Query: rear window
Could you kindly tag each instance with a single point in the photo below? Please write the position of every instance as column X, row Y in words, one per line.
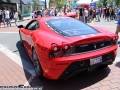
column 70, row 27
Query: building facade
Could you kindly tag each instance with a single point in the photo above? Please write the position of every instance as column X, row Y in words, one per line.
column 26, row 5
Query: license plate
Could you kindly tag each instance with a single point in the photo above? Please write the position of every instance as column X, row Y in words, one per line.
column 95, row 60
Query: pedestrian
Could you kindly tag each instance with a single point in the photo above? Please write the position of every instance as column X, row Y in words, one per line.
column 15, row 17
column 90, row 15
column 7, row 17
column 107, row 14
column 39, row 13
column 56, row 11
column 77, row 14
column 112, row 14
column 98, row 15
column 81, row 13
column 2, row 18
column 86, row 15
column 118, row 24
column 35, row 15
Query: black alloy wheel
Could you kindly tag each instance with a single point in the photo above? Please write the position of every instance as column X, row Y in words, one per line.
column 37, row 66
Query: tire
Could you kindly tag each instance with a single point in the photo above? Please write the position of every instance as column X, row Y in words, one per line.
column 37, row 66
column 21, row 39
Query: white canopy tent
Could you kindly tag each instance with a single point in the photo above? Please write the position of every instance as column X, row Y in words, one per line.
column 87, row 2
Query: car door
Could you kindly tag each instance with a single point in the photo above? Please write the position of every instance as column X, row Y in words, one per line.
column 23, row 34
column 30, row 30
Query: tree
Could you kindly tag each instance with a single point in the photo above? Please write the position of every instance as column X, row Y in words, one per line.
column 110, row 2
column 117, row 2
column 61, row 3
column 99, row 3
column 29, row 3
column 36, row 3
column 105, row 3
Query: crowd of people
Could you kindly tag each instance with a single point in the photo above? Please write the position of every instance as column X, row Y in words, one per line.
column 83, row 14
column 50, row 12
column 6, row 16
column 96, row 14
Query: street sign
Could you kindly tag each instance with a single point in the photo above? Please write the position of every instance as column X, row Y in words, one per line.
column 93, row 4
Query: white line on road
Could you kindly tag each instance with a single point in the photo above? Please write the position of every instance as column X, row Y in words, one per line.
column 17, row 60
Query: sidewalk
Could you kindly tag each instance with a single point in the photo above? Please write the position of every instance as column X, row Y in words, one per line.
column 12, row 74
column 24, row 18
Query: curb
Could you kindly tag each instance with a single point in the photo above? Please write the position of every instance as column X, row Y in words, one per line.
column 18, row 21
column 23, row 20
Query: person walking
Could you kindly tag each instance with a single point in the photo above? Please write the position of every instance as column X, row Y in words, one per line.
column 81, row 14
column 77, row 14
column 2, row 18
column 86, row 15
column 108, row 14
column 7, row 17
column 112, row 14
column 91, row 15
column 118, row 24
column 39, row 13
column 15, row 17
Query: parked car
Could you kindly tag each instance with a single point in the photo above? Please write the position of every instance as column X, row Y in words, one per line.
column 61, row 47
column 71, row 14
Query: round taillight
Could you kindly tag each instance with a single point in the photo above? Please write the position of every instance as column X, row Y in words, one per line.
column 65, row 46
column 116, row 37
column 55, row 47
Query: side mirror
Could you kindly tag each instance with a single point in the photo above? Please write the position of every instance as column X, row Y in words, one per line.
column 20, row 26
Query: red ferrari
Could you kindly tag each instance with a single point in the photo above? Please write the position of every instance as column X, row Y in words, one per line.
column 71, row 14
column 61, row 47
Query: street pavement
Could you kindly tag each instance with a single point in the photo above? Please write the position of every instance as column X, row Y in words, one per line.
column 16, row 67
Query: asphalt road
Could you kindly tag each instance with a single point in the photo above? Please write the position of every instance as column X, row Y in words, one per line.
column 11, row 41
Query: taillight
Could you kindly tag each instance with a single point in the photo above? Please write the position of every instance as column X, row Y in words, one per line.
column 115, row 38
column 55, row 48
column 65, row 46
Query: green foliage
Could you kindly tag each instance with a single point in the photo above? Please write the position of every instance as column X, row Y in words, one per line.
column 61, row 3
column 75, row 1
column 29, row 3
column 110, row 1
column 36, row 3
column 99, row 3
column 104, row 2
column 117, row 2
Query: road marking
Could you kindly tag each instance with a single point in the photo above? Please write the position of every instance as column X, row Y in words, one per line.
column 9, row 32
column 17, row 60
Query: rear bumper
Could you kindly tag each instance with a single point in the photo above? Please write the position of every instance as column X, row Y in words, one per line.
column 65, row 67
column 75, row 68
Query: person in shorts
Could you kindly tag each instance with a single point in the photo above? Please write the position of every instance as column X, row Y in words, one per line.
column 118, row 24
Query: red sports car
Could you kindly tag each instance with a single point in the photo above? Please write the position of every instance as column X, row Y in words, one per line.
column 71, row 14
column 61, row 47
